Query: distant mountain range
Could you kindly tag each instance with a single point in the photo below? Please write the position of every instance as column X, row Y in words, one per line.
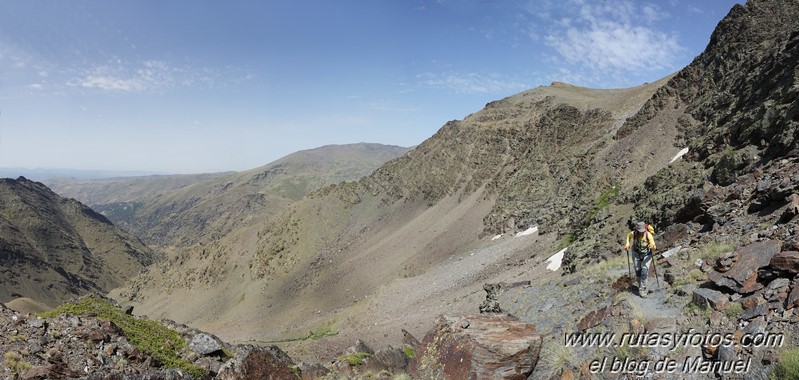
column 180, row 210
column 39, row 174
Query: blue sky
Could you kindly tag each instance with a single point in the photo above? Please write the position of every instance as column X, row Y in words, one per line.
column 187, row 86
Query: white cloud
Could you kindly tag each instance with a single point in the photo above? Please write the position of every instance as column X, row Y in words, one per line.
column 472, row 83
column 120, row 76
column 615, row 46
column 615, row 39
column 154, row 76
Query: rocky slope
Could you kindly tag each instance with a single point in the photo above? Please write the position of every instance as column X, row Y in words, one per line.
column 207, row 210
column 54, row 248
column 533, row 158
column 422, row 234
column 416, row 238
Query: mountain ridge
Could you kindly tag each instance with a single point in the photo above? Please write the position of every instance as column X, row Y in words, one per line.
column 56, row 248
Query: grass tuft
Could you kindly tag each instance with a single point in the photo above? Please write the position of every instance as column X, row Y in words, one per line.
column 788, row 366
column 734, row 310
column 355, row 359
column 712, row 250
column 149, row 336
column 13, row 361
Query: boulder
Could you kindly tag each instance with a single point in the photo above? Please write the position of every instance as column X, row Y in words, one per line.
column 268, row 363
column 792, row 209
column 786, row 261
column 393, row 360
column 711, row 298
column 742, row 275
column 205, row 344
column 495, row 346
column 360, row 347
column 793, row 297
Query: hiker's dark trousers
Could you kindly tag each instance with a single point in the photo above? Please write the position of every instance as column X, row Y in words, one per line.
column 641, row 261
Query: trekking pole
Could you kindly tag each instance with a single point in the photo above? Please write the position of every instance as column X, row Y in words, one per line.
column 629, row 271
column 655, row 265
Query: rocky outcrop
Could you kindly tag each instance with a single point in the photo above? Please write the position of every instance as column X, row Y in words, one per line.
column 269, row 363
column 70, row 346
column 487, row 346
column 743, row 275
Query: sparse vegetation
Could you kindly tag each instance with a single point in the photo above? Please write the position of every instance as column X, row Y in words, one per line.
column 788, row 365
column 556, row 357
column 149, row 336
column 624, row 351
column 13, row 361
column 409, row 352
column 602, row 203
column 322, row 332
column 712, row 250
column 565, row 241
column 355, row 359
column 734, row 310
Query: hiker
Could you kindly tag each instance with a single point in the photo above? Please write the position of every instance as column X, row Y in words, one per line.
column 643, row 244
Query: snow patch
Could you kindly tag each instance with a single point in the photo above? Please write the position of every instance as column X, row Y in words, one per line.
column 528, row 231
column 554, row 261
column 679, row 154
column 496, row 237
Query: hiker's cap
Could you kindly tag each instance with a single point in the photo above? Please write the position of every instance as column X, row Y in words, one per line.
column 640, row 227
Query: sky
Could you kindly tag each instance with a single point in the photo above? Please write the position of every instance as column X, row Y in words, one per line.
column 193, row 86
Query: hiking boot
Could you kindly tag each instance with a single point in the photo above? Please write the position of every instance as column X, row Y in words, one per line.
column 642, row 292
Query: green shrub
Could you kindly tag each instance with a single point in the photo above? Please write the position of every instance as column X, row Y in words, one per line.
column 788, row 365
column 151, row 337
column 712, row 250
column 355, row 359
column 13, row 361
column 409, row 352
column 734, row 310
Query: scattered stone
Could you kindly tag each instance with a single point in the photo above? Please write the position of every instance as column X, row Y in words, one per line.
column 793, row 297
column 593, row 318
column 359, row 347
column 313, row 371
column 752, row 301
column 757, row 311
column 725, row 261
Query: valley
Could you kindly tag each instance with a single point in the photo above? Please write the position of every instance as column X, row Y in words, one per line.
column 389, row 252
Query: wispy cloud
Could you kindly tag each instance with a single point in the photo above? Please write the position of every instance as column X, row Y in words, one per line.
column 471, row 83
column 146, row 76
column 613, row 39
column 26, row 74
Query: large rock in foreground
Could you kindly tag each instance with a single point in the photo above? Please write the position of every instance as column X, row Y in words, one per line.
column 742, row 277
column 486, row 346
